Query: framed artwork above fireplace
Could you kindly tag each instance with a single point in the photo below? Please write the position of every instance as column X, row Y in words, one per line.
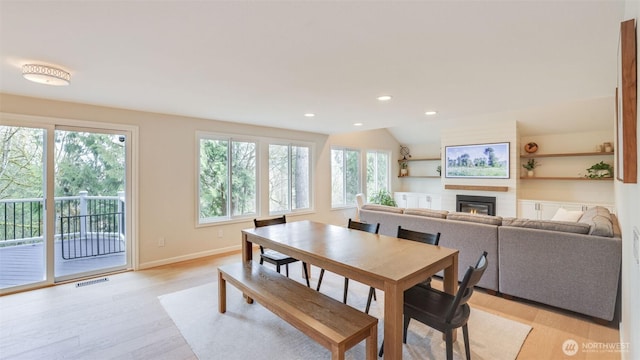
column 488, row 161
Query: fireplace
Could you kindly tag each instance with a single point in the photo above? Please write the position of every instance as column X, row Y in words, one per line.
column 484, row 205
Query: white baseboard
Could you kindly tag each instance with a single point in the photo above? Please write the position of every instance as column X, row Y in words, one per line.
column 197, row 255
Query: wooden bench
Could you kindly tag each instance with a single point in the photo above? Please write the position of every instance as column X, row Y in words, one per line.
column 332, row 324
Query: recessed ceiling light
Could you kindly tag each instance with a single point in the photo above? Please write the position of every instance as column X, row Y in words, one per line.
column 309, row 114
column 357, row 124
column 47, row 75
column 384, row 98
column 431, row 112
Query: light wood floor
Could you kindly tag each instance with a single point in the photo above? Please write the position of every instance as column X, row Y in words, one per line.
column 123, row 319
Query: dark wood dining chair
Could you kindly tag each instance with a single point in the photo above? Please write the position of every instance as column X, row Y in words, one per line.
column 276, row 258
column 427, row 238
column 356, row 225
column 423, row 237
column 441, row 311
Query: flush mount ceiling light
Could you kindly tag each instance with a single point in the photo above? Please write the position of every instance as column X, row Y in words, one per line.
column 47, row 75
column 384, row 98
column 357, row 124
column 309, row 114
column 431, row 112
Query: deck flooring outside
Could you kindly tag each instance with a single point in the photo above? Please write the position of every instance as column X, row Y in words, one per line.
column 24, row 264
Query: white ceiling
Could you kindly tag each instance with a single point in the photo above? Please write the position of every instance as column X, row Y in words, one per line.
column 268, row 63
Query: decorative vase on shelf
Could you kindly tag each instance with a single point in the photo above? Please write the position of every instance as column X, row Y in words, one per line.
column 404, row 172
column 530, row 173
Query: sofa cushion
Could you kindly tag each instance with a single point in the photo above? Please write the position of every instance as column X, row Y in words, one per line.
column 385, row 208
column 599, row 220
column 565, row 215
column 440, row 214
column 562, row 226
column 482, row 219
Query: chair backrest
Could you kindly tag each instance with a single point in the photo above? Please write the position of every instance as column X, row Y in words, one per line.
column 431, row 239
column 471, row 278
column 372, row 228
column 267, row 222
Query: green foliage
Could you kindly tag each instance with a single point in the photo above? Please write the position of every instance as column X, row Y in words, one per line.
column 21, row 163
column 220, row 194
column 84, row 161
column 90, row 162
column 474, row 171
column 487, row 165
column 531, row 164
column 600, row 170
column 345, row 176
column 378, row 163
column 383, row 197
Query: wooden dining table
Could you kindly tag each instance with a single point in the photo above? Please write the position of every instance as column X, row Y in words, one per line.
column 384, row 262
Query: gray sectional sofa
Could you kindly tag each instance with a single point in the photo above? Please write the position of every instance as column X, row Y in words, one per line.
column 570, row 265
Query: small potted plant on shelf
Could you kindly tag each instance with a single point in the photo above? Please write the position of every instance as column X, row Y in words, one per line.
column 439, row 170
column 530, row 165
column 404, row 168
column 600, row 170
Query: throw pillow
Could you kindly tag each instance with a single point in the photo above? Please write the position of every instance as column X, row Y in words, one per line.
column 599, row 219
column 565, row 215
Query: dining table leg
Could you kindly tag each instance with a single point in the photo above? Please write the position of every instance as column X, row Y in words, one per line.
column 393, row 308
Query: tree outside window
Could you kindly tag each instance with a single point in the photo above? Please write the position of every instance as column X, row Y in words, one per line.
column 227, row 179
column 378, row 170
column 289, row 178
column 345, row 176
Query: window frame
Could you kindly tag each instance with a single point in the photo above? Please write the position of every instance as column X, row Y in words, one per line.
column 344, row 203
column 365, row 174
column 202, row 135
column 289, row 145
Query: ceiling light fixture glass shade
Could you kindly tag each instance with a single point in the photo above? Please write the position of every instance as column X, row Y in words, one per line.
column 47, row 75
column 384, row 98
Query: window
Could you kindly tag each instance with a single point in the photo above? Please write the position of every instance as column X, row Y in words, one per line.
column 378, row 170
column 227, row 179
column 345, row 176
column 289, row 178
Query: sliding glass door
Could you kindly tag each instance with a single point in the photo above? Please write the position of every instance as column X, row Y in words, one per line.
column 22, row 206
column 90, row 202
column 64, row 205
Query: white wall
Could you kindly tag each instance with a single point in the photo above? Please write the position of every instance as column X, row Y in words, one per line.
column 423, row 185
column 167, row 173
column 628, row 208
column 364, row 140
column 592, row 191
column 487, row 132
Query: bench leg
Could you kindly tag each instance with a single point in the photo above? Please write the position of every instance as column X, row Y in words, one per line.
column 371, row 343
column 222, row 293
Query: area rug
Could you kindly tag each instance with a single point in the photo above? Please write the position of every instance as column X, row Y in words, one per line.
column 249, row 331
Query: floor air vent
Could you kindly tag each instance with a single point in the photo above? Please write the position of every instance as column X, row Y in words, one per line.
column 91, row 282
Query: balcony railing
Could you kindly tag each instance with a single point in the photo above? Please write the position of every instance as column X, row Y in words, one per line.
column 86, row 225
